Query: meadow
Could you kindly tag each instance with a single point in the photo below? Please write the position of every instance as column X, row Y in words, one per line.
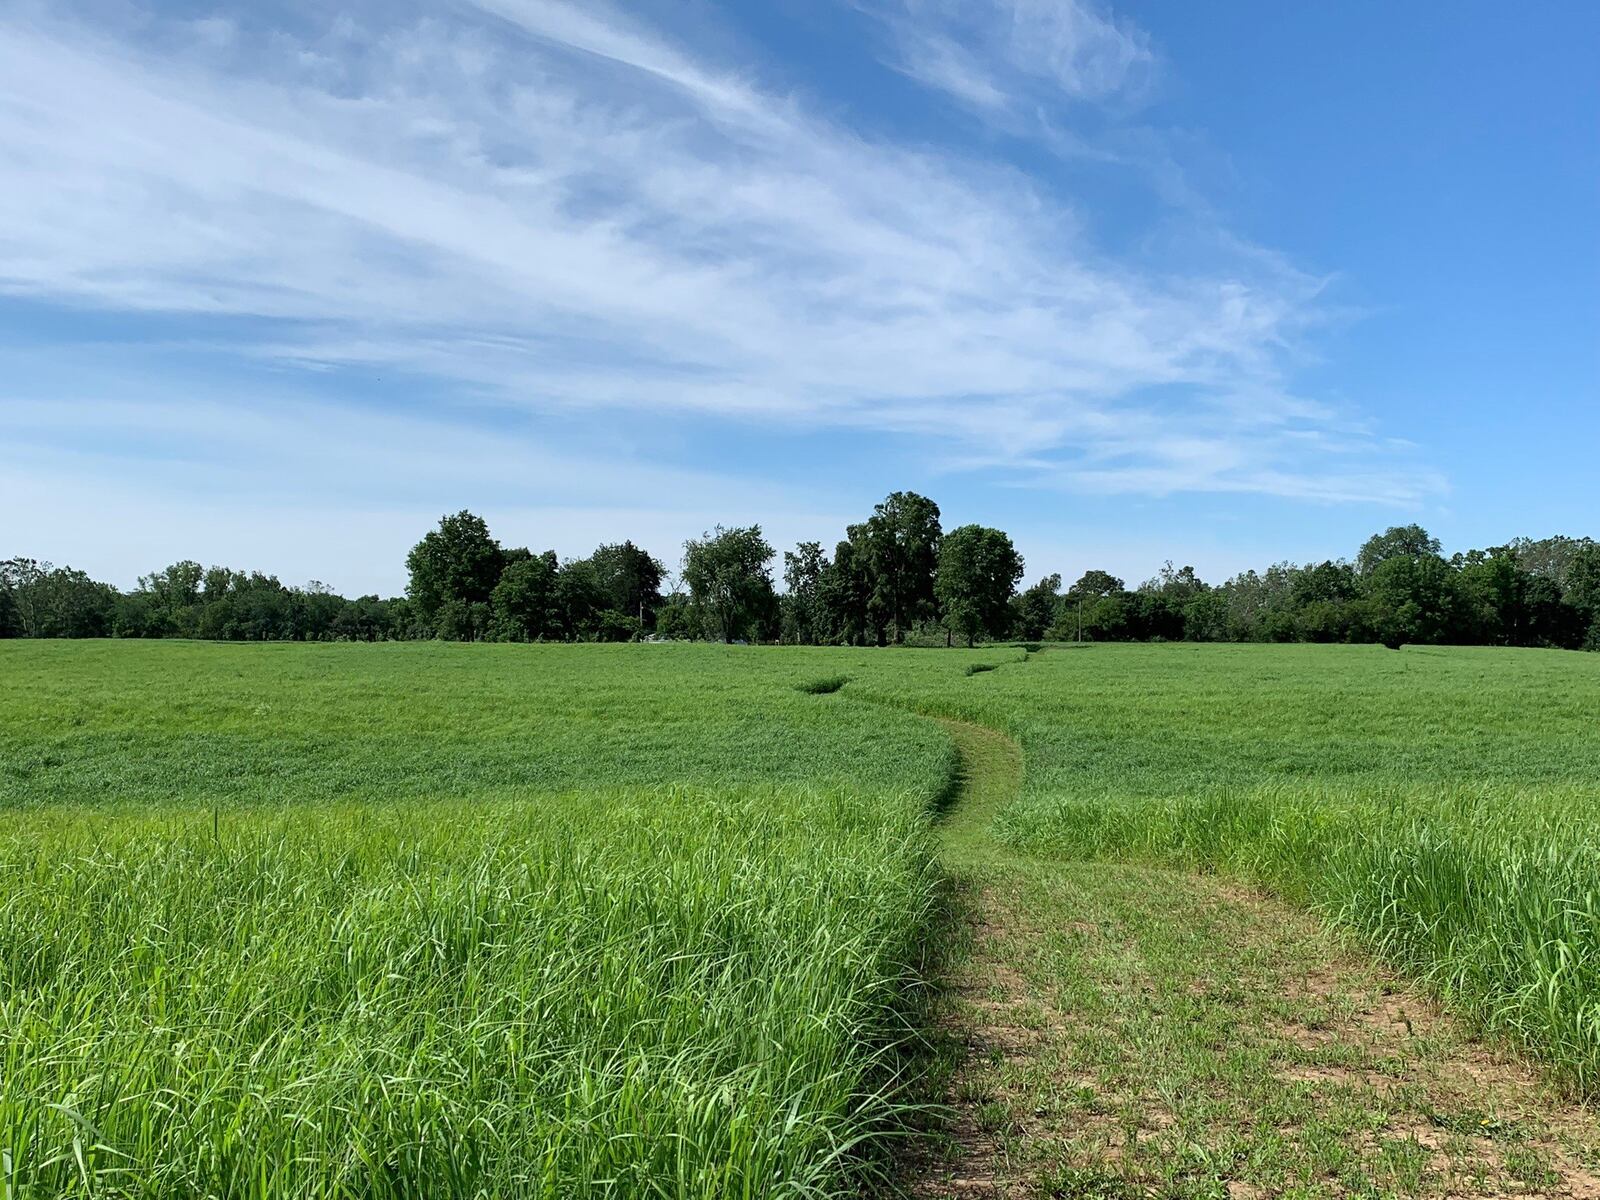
column 429, row 919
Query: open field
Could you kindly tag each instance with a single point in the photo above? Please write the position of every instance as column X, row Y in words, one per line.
column 530, row 922
column 526, row 920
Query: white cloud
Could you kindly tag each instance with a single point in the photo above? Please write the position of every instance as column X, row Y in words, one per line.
column 1003, row 55
column 553, row 207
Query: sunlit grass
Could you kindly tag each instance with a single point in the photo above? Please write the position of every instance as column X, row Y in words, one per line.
column 290, row 924
column 682, row 992
column 526, row 920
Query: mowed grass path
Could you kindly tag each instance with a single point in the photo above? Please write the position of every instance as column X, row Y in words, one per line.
column 1115, row 1032
column 1440, row 804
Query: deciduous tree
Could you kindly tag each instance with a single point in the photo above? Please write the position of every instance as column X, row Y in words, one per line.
column 523, row 605
column 459, row 561
column 978, row 571
column 729, row 580
column 1398, row 541
column 1036, row 608
column 630, row 579
column 804, row 570
column 899, row 545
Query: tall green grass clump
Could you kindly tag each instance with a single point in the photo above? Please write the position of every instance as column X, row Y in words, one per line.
column 685, row 992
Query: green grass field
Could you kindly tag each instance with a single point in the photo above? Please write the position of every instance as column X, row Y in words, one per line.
column 426, row 919
column 432, row 920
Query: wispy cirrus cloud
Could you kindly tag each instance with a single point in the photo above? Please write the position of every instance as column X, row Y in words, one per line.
column 556, row 207
column 1006, row 55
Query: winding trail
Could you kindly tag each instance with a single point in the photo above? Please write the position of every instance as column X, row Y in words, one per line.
column 990, row 776
column 1117, row 1031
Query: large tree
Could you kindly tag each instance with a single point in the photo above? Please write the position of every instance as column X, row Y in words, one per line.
column 1398, row 541
column 177, row 587
column 630, row 580
column 1095, row 607
column 1497, row 593
column 523, row 605
column 1161, row 606
column 1581, row 591
column 900, row 549
column 1581, row 581
column 1093, row 585
column 80, row 607
column 364, row 619
column 48, row 601
column 580, row 600
column 1416, row 599
column 804, row 570
column 843, row 594
column 23, row 580
column 10, row 619
column 1552, row 557
column 978, row 571
column 729, row 580
column 1326, row 582
column 458, row 562
column 1035, row 610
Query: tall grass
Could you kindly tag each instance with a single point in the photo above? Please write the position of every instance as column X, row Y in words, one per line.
column 405, row 921
column 677, row 993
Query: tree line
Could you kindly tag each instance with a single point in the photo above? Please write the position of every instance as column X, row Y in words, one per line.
column 897, row 577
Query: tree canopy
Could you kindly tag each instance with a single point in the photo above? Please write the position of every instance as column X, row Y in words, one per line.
column 1398, row 541
column 895, row 576
column 629, row 580
column 898, row 545
column 729, row 581
column 978, row 571
column 458, row 563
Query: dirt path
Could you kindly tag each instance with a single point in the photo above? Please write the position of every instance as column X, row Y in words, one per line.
column 1115, row 1031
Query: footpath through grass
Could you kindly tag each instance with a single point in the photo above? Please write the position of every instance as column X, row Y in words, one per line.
column 1442, row 805
column 1115, row 1032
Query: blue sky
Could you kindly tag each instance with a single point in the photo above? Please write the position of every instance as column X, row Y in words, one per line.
column 282, row 282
